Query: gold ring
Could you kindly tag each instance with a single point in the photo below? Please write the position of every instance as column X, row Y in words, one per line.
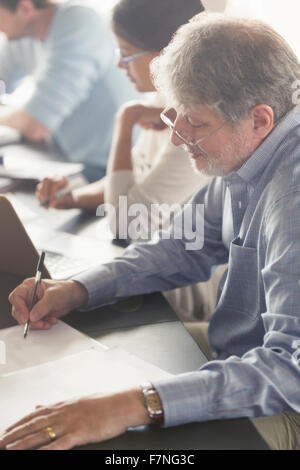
column 51, row 433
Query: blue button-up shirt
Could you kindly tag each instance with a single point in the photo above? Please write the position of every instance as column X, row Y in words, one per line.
column 256, row 323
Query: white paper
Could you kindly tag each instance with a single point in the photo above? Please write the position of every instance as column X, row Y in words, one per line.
column 41, row 346
column 36, row 169
column 8, row 135
column 81, row 374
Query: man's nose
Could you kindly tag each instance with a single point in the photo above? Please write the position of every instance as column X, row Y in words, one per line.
column 175, row 139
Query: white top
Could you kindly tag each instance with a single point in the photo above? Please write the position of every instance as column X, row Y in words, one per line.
column 163, row 174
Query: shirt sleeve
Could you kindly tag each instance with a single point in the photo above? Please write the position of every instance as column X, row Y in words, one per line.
column 10, row 70
column 118, row 184
column 170, row 182
column 78, row 52
column 265, row 381
column 172, row 178
column 181, row 255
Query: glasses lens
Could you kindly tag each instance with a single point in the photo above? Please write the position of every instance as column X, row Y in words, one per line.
column 120, row 58
column 168, row 116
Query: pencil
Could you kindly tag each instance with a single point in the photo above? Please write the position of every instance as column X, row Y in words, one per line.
column 38, row 278
column 60, row 193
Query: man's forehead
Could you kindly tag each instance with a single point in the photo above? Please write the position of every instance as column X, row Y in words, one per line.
column 197, row 110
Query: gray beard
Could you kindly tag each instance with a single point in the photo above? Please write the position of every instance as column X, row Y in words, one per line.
column 230, row 159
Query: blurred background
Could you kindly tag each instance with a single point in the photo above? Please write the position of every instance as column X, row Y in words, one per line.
column 283, row 15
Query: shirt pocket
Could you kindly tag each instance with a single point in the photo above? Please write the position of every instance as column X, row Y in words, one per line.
column 240, row 291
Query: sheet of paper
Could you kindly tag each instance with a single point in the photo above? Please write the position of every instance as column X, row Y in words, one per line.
column 41, row 346
column 85, row 373
column 8, row 135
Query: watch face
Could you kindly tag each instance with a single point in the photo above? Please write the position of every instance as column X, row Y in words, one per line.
column 153, row 404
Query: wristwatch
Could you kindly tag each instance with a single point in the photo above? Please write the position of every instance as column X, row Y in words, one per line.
column 153, row 403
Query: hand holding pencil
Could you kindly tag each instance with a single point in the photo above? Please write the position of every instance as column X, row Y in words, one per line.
column 38, row 278
column 49, row 301
column 56, row 192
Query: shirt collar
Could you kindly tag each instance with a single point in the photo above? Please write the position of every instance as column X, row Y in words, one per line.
column 258, row 161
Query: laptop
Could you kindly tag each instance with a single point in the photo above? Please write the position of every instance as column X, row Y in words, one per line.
column 20, row 249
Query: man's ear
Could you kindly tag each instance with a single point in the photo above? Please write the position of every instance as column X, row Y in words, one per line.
column 262, row 117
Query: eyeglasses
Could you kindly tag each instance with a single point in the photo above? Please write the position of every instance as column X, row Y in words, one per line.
column 169, row 116
column 125, row 60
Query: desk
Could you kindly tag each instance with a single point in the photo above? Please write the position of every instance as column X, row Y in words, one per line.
column 153, row 337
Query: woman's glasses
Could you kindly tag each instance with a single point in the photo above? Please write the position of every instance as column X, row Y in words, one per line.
column 125, row 60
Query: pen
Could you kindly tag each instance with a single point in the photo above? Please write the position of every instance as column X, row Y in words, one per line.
column 38, row 278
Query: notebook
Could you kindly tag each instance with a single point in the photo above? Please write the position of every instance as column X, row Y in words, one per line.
column 31, row 169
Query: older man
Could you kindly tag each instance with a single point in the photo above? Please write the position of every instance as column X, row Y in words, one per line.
column 68, row 52
column 230, row 82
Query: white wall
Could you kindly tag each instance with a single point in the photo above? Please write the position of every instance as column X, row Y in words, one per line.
column 217, row 6
column 283, row 15
column 251, row 8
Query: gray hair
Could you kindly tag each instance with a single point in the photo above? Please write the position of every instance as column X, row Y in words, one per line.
column 228, row 64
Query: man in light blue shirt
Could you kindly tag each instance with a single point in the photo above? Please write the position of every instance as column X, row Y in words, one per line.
column 230, row 81
column 68, row 51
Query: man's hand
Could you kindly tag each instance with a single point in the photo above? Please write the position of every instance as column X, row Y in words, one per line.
column 29, row 127
column 54, row 300
column 77, row 422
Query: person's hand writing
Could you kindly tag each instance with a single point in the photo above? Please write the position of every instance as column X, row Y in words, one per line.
column 54, row 300
column 77, row 422
column 47, row 189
